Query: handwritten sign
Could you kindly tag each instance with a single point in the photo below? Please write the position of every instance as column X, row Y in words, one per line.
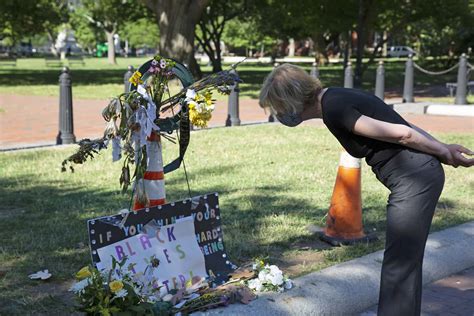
column 107, row 230
column 174, row 245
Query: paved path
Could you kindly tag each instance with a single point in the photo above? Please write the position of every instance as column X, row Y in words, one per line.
column 33, row 120
column 453, row 295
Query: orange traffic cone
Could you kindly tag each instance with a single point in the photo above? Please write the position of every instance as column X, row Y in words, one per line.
column 344, row 218
column 153, row 183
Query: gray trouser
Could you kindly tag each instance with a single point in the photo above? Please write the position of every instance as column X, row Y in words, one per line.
column 415, row 181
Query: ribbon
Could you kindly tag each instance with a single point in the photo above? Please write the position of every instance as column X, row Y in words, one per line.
column 116, row 149
column 146, row 116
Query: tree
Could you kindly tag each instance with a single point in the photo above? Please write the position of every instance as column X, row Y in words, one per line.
column 177, row 21
column 54, row 18
column 212, row 25
column 324, row 20
column 141, row 33
column 87, row 34
column 108, row 15
column 244, row 34
column 31, row 17
column 446, row 29
column 321, row 20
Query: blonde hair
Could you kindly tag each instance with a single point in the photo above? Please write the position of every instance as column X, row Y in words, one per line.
column 288, row 89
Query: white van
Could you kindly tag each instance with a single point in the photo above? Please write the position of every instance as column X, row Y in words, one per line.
column 400, row 51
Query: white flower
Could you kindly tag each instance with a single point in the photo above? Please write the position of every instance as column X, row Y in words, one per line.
column 163, row 63
column 274, row 269
column 190, row 94
column 255, row 284
column 142, row 90
column 254, row 266
column 79, row 287
column 121, row 293
column 276, row 279
column 262, row 275
column 288, row 284
column 153, row 299
column 137, row 289
column 167, row 297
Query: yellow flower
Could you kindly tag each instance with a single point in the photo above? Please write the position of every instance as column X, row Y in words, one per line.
column 83, row 273
column 200, row 109
column 116, row 286
column 208, row 95
column 135, row 79
column 189, row 283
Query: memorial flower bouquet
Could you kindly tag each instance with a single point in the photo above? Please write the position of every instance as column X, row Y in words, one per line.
column 111, row 291
column 269, row 278
column 121, row 291
column 201, row 106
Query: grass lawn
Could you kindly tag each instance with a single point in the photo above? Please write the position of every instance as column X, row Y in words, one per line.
column 272, row 182
column 99, row 80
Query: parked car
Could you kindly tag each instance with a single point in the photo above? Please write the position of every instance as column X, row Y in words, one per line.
column 400, row 51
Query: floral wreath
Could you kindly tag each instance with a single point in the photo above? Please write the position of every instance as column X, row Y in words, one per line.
column 134, row 116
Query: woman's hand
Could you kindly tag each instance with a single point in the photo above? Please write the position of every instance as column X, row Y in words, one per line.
column 453, row 155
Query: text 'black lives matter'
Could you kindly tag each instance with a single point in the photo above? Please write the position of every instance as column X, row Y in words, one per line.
column 104, row 231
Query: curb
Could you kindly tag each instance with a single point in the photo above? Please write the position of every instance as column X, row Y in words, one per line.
column 353, row 286
column 41, row 145
column 450, row 110
column 28, row 146
column 434, row 109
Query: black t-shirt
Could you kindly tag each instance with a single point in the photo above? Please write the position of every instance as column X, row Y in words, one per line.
column 342, row 107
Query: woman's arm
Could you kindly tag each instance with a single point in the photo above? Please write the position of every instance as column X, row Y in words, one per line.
column 413, row 137
column 423, row 132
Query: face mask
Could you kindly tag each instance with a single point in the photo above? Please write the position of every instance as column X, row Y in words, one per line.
column 290, row 120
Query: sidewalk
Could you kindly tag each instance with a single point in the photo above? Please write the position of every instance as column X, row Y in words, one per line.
column 453, row 295
column 352, row 287
column 33, row 120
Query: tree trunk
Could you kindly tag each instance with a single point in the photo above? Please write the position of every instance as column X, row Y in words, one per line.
column 291, row 47
column 177, row 20
column 52, row 47
column 210, row 43
column 319, row 47
column 217, row 64
column 110, row 47
column 194, row 67
column 363, row 17
column 347, row 48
